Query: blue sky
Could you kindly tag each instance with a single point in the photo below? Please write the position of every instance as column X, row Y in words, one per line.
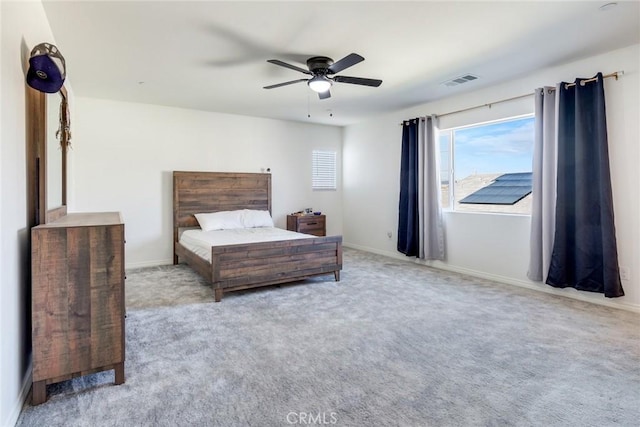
column 502, row 147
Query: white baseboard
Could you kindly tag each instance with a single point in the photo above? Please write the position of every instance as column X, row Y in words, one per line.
column 396, row 255
column 12, row 419
column 536, row 286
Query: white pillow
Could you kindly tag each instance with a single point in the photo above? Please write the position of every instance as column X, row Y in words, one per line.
column 224, row 220
column 253, row 218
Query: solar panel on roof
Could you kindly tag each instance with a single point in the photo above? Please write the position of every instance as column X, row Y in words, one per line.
column 507, row 189
column 515, row 176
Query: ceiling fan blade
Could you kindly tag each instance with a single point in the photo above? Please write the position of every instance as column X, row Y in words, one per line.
column 324, row 95
column 357, row 81
column 346, row 62
column 285, row 83
column 284, row 64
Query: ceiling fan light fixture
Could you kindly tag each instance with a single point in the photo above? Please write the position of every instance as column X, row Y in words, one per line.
column 319, row 84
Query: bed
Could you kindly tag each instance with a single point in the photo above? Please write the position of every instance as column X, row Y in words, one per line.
column 237, row 266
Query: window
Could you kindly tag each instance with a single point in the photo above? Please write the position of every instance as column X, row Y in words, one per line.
column 489, row 166
column 324, row 170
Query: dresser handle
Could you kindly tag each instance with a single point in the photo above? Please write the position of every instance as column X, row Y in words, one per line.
column 311, row 223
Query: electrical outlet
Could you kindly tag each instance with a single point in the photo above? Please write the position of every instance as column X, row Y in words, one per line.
column 625, row 273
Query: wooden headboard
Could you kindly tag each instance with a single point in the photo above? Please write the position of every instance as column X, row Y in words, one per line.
column 197, row 192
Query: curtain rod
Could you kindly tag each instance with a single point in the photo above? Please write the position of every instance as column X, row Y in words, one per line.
column 615, row 74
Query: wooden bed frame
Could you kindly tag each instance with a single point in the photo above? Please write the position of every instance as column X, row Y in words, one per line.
column 244, row 266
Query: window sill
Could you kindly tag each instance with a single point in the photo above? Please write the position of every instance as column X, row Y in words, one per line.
column 454, row 212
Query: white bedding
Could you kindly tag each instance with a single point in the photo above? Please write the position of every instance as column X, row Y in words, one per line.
column 200, row 242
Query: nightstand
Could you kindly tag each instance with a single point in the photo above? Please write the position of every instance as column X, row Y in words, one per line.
column 308, row 224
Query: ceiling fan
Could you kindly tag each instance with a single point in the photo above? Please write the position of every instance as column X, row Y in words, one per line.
column 322, row 70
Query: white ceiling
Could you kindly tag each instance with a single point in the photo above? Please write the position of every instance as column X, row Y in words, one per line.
column 211, row 55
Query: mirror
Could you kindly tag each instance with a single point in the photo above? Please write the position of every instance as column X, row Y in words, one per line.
column 54, row 152
column 58, row 137
column 47, row 155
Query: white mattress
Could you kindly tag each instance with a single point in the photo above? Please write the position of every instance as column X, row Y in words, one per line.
column 200, row 242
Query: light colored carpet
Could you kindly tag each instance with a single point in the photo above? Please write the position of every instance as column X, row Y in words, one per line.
column 392, row 344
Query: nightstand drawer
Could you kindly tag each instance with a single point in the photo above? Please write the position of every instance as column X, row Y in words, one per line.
column 308, row 224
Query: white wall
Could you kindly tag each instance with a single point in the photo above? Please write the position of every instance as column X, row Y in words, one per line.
column 124, row 153
column 22, row 26
column 490, row 245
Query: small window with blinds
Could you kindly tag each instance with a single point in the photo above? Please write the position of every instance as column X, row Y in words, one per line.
column 324, row 170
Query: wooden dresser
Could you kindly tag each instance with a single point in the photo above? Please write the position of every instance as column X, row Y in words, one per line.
column 308, row 224
column 77, row 298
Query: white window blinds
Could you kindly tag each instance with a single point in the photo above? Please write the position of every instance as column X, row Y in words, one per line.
column 324, row 170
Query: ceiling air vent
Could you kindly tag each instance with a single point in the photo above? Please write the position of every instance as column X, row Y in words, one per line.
column 460, row 80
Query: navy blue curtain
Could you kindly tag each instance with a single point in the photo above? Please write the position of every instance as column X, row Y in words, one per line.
column 408, row 217
column 584, row 250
